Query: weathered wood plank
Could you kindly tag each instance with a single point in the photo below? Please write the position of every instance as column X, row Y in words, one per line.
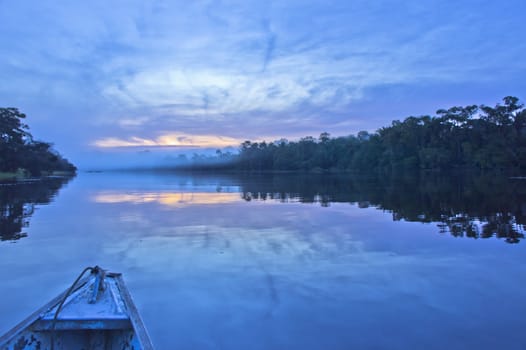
column 133, row 313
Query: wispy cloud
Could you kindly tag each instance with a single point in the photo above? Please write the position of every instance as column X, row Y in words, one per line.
column 169, row 140
column 250, row 70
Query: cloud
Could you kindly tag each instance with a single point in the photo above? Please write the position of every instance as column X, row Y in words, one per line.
column 242, row 68
column 169, row 140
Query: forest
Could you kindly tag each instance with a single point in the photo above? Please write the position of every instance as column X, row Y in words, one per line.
column 470, row 137
column 21, row 154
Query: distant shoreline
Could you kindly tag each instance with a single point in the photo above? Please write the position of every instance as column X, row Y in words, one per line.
column 24, row 177
column 511, row 173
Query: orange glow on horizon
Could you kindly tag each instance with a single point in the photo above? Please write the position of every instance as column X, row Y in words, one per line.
column 170, row 140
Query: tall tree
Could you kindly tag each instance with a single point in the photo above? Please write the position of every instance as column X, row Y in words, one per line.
column 18, row 150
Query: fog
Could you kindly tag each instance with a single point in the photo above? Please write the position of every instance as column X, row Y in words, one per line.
column 145, row 158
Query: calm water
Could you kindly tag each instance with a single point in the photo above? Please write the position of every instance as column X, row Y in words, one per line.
column 281, row 262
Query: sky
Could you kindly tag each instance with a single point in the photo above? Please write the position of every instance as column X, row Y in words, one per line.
column 111, row 81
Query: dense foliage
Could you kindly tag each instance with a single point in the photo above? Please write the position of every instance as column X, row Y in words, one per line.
column 19, row 151
column 479, row 137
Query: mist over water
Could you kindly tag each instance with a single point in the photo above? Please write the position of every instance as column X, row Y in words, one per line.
column 144, row 158
column 283, row 261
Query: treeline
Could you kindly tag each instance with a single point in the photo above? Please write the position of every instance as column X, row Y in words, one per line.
column 473, row 137
column 19, row 152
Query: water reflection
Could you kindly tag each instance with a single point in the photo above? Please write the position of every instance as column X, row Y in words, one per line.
column 18, row 201
column 171, row 199
column 473, row 206
column 480, row 206
column 224, row 253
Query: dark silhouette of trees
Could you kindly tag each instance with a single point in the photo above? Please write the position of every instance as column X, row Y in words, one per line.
column 470, row 137
column 18, row 149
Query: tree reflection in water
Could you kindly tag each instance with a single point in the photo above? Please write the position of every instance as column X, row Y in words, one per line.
column 18, row 201
column 463, row 205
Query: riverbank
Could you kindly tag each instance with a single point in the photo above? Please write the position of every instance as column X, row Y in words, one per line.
column 7, row 176
column 22, row 175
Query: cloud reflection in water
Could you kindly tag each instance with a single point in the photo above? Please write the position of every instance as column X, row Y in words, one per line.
column 172, row 199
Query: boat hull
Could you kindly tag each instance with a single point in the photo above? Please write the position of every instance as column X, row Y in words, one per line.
column 106, row 319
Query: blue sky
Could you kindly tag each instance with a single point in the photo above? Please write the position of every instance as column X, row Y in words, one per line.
column 97, row 77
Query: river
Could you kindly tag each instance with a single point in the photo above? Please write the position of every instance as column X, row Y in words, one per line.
column 280, row 261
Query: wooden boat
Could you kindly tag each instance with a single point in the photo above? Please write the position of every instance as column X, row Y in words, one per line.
column 96, row 312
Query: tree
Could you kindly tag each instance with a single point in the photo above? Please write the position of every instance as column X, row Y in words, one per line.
column 13, row 136
column 11, row 127
column 324, row 137
column 18, row 149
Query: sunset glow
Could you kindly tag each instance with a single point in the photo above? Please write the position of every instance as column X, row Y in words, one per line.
column 179, row 199
column 170, row 140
